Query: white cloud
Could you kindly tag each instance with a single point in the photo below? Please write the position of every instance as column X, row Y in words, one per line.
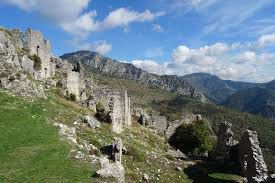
column 123, row 17
column 102, row 46
column 150, row 66
column 266, row 40
column 204, row 55
column 157, row 28
column 58, row 11
column 72, row 16
column 235, row 61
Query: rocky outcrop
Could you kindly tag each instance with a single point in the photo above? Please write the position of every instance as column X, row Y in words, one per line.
column 117, row 69
column 251, row 158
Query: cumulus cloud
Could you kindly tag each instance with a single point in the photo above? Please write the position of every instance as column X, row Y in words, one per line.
column 102, row 46
column 123, row 17
column 228, row 61
column 72, row 16
column 55, row 10
column 150, row 66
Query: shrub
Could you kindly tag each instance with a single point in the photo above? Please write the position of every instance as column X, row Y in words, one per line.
column 37, row 62
column 190, row 138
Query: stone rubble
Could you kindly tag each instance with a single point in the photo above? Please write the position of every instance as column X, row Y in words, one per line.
column 91, row 121
column 115, row 170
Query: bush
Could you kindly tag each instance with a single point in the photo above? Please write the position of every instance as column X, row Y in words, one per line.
column 37, row 62
column 193, row 138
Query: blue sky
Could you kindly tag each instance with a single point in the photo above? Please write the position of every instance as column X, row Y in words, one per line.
column 232, row 39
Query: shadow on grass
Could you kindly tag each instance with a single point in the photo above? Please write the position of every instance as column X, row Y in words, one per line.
column 200, row 173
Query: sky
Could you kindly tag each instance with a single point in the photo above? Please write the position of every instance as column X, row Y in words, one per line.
column 231, row 39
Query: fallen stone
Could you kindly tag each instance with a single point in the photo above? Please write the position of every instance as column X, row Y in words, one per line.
column 92, row 122
column 145, row 177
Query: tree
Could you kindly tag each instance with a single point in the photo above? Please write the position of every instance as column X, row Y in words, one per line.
column 192, row 137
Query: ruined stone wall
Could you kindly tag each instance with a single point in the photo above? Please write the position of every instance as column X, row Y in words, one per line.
column 251, row 158
column 158, row 123
column 73, row 80
column 185, row 119
column 36, row 44
column 116, row 114
column 127, row 111
column 122, row 110
column 224, row 140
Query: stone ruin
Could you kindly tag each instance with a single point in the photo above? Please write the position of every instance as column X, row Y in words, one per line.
column 117, row 103
column 117, row 147
column 250, row 157
column 187, row 118
column 116, row 169
column 224, row 140
column 25, row 46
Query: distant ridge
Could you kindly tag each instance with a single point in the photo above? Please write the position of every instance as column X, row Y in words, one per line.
column 117, row 69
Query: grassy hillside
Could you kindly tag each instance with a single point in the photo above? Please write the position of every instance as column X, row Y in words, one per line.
column 30, row 149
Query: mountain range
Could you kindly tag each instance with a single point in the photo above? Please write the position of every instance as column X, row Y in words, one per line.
column 256, row 98
column 117, row 69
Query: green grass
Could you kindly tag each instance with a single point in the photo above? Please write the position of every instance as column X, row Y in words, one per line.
column 30, row 149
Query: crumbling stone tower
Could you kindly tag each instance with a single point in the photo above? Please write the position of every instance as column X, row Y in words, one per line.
column 127, row 111
column 116, row 114
column 37, row 45
column 251, row 158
